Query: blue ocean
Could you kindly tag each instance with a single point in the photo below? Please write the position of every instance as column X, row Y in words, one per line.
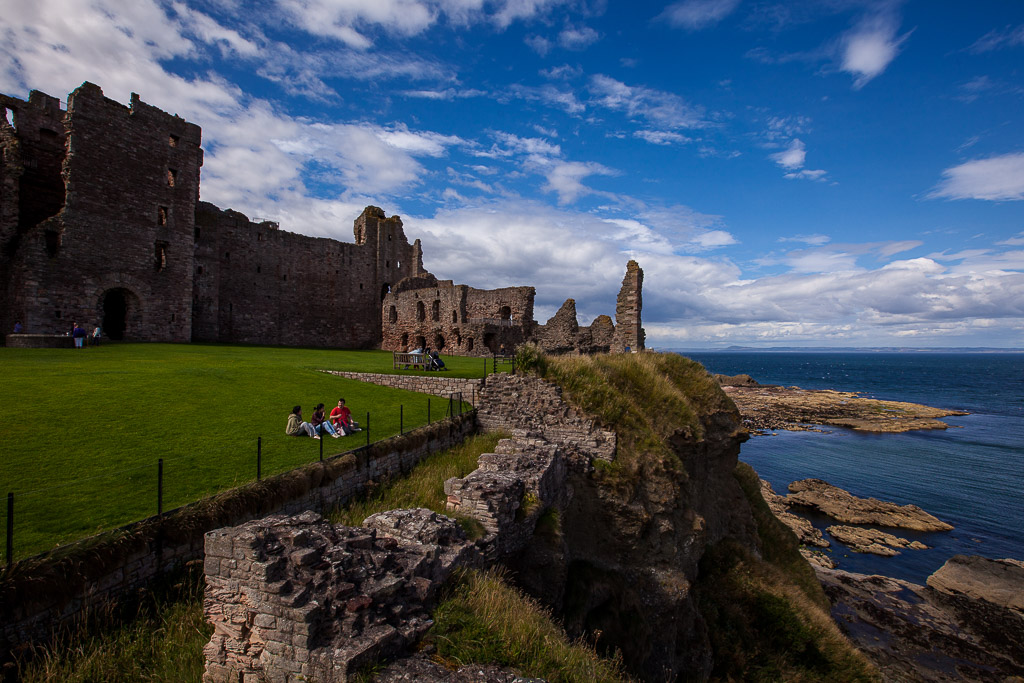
column 971, row 475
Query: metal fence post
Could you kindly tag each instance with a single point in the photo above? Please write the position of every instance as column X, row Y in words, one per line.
column 367, row 427
column 259, row 457
column 401, row 420
column 428, row 411
column 10, row 528
column 323, row 433
column 485, row 367
column 159, row 487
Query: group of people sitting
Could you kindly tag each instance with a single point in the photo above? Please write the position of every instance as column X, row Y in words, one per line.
column 431, row 359
column 340, row 423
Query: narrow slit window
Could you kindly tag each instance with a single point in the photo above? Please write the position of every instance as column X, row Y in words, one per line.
column 172, row 177
column 172, row 140
column 161, row 216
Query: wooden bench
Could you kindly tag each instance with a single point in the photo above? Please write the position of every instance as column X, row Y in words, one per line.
column 403, row 361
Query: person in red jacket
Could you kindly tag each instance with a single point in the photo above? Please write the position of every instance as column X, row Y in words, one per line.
column 341, row 416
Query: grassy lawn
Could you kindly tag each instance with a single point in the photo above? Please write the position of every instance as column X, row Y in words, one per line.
column 81, row 431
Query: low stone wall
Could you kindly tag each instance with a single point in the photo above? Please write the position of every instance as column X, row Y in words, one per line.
column 40, row 341
column 42, row 593
column 296, row 597
column 528, row 406
column 438, row 385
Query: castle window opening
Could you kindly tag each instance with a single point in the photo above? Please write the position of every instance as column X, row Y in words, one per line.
column 384, row 291
column 197, row 234
column 435, row 311
column 505, row 313
column 360, row 285
column 259, row 237
column 200, row 270
column 52, row 239
column 47, row 134
column 455, row 317
column 458, row 338
column 489, row 342
column 439, row 342
column 227, row 255
column 161, row 216
column 172, row 176
column 115, row 313
column 57, row 314
column 398, row 264
column 9, row 116
column 172, row 140
column 469, row 344
column 387, row 264
column 160, row 252
column 259, row 269
column 421, row 342
column 393, row 315
column 421, row 312
column 173, row 316
column 405, row 341
column 285, row 277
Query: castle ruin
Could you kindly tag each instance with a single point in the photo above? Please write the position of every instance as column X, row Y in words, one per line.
column 101, row 223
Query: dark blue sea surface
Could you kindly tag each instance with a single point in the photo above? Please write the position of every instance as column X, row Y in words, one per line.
column 971, row 475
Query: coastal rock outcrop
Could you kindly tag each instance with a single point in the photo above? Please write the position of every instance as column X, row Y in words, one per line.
column 955, row 629
column 766, row 408
column 864, row 540
column 804, row 530
column 845, row 507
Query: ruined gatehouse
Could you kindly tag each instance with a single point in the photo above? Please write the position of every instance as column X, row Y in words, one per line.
column 101, row 223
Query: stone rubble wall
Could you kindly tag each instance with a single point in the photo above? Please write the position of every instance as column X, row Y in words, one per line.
column 439, row 385
column 528, row 406
column 297, row 597
column 44, row 592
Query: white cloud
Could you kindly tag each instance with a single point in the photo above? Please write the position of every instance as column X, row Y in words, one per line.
column 999, row 178
column 566, row 178
column 869, row 48
column 807, row 174
column 1016, row 241
column 538, row 44
column 661, row 137
column 663, row 109
column 1010, row 36
column 572, row 38
column 697, row 14
column 816, row 240
column 793, row 156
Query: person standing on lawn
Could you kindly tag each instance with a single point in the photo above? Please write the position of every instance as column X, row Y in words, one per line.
column 79, row 335
column 296, row 427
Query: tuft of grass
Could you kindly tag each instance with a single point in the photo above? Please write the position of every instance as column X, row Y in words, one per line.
column 160, row 641
column 530, row 358
column 423, row 487
column 484, row 620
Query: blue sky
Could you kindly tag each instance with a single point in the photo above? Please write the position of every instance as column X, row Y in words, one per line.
column 825, row 173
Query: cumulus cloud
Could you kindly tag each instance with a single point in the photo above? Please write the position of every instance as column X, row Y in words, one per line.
column 998, row 178
column 869, row 48
column 693, row 15
column 792, row 159
column 578, row 38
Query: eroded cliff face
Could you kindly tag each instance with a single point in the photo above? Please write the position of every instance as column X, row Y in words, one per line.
column 621, row 567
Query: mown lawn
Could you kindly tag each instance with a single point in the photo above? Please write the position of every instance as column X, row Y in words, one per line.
column 81, row 431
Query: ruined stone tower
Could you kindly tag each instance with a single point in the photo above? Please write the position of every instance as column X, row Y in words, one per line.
column 105, row 201
column 629, row 331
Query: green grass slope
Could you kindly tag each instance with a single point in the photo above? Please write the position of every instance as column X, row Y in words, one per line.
column 81, row 431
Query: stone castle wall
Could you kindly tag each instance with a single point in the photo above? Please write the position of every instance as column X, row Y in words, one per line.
column 101, row 224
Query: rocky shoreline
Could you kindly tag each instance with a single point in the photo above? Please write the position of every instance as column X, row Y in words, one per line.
column 766, row 408
column 967, row 623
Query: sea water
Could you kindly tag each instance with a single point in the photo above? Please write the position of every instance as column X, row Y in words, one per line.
column 971, row 475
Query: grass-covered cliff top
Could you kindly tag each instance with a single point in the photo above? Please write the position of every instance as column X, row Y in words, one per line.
column 647, row 398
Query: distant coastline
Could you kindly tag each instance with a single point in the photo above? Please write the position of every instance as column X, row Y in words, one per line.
column 845, row 349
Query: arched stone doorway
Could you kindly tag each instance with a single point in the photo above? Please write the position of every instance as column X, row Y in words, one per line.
column 120, row 313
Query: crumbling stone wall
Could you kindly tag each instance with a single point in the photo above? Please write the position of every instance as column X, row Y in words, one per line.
column 441, row 386
column 423, row 311
column 629, row 331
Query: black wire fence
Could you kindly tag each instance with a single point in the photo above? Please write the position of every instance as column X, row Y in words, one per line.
column 46, row 518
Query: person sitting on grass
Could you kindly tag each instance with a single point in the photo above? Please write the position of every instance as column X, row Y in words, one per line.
column 341, row 416
column 320, row 423
column 296, row 427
